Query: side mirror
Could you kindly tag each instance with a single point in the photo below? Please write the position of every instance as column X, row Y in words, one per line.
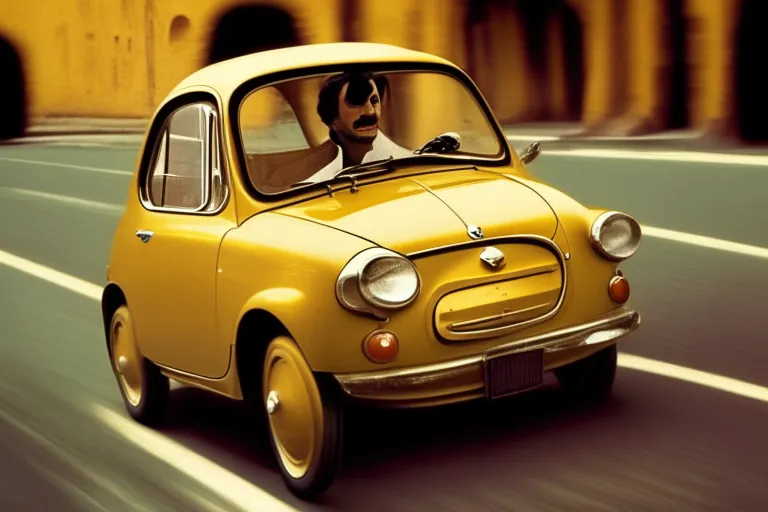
column 530, row 153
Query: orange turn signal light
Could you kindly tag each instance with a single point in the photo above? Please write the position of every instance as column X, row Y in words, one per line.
column 381, row 347
column 618, row 289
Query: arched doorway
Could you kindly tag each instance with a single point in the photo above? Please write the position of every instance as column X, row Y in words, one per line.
column 249, row 29
column 12, row 89
column 573, row 46
column 677, row 100
column 527, row 57
column 554, row 42
column 751, row 81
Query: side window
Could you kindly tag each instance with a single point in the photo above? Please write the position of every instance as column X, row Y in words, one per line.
column 187, row 172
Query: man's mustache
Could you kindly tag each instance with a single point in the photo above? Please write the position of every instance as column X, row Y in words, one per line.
column 366, row 120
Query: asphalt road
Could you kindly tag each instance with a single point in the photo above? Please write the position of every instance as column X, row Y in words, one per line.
column 659, row 444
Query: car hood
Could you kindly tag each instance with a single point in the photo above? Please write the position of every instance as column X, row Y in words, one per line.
column 424, row 211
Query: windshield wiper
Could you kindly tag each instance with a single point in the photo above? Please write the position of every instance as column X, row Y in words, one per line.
column 345, row 172
column 365, row 165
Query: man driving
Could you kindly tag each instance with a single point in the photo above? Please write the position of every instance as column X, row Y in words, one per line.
column 350, row 105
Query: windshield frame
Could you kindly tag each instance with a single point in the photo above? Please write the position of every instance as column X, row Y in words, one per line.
column 248, row 87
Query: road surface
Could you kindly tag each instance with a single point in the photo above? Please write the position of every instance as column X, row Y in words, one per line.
column 661, row 443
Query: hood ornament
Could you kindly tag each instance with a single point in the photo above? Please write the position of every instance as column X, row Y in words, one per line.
column 493, row 257
column 475, row 232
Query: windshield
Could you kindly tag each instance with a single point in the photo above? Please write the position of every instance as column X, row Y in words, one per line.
column 311, row 129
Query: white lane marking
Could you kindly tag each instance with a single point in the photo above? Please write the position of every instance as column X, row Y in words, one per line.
column 68, row 166
column 705, row 241
column 230, row 486
column 66, row 281
column 244, row 493
column 223, row 482
column 113, row 208
column 710, row 380
column 93, row 291
column 532, row 138
column 669, row 156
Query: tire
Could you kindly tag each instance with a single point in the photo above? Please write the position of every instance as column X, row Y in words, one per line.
column 305, row 420
column 591, row 378
column 144, row 389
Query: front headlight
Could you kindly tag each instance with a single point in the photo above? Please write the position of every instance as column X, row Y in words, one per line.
column 615, row 235
column 379, row 278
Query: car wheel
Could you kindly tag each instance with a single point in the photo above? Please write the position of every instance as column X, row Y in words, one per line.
column 144, row 389
column 590, row 378
column 305, row 419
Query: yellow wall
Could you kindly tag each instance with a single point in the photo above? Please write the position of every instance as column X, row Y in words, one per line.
column 119, row 59
column 710, row 57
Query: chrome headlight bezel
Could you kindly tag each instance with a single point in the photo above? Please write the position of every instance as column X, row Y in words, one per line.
column 604, row 221
column 351, row 293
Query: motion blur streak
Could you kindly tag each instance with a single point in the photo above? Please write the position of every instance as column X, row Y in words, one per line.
column 218, row 479
column 669, row 156
column 76, row 201
column 67, row 166
column 71, row 283
column 705, row 241
column 733, row 386
column 230, row 486
column 711, row 380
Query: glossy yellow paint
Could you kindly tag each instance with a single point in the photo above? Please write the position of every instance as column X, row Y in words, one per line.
column 529, row 289
column 414, row 213
column 178, row 329
column 193, row 283
column 171, row 282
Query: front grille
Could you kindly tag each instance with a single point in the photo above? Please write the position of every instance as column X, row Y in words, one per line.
column 481, row 302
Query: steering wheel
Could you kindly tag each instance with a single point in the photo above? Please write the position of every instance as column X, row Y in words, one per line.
column 444, row 143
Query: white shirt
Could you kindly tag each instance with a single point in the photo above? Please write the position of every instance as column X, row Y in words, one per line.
column 383, row 147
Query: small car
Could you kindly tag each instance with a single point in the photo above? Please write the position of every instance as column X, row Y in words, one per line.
column 345, row 224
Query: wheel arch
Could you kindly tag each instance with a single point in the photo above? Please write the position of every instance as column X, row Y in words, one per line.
column 111, row 298
column 257, row 327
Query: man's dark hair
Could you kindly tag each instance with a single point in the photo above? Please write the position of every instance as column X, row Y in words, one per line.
column 358, row 91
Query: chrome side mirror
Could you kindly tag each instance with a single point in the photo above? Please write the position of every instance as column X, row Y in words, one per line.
column 530, row 153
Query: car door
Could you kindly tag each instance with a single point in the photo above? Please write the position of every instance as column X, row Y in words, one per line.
column 186, row 213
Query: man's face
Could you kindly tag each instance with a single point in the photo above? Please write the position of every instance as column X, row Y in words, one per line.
column 358, row 113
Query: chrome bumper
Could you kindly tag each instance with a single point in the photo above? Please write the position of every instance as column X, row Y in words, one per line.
column 464, row 379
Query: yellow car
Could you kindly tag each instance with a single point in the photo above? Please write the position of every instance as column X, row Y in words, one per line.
column 327, row 225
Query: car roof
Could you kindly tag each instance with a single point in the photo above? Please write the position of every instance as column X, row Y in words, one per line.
column 226, row 76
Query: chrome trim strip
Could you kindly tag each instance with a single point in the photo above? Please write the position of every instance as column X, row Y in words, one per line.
column 211, row 129
column 569, row 337
column 435, row 378
column 483, row 242
column 493, row 318
column 352, row 272
column 505, row 329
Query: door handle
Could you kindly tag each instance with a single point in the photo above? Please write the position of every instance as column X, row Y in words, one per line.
column 144, row 235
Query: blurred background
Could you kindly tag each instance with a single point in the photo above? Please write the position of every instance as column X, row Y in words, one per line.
column 573, row 67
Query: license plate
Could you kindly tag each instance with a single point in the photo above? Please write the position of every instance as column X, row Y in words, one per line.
column 515, row 373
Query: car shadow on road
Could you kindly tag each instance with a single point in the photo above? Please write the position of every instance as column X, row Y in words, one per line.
column 380, row 443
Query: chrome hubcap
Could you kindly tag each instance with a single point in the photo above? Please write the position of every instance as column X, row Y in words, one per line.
column 273, row 402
